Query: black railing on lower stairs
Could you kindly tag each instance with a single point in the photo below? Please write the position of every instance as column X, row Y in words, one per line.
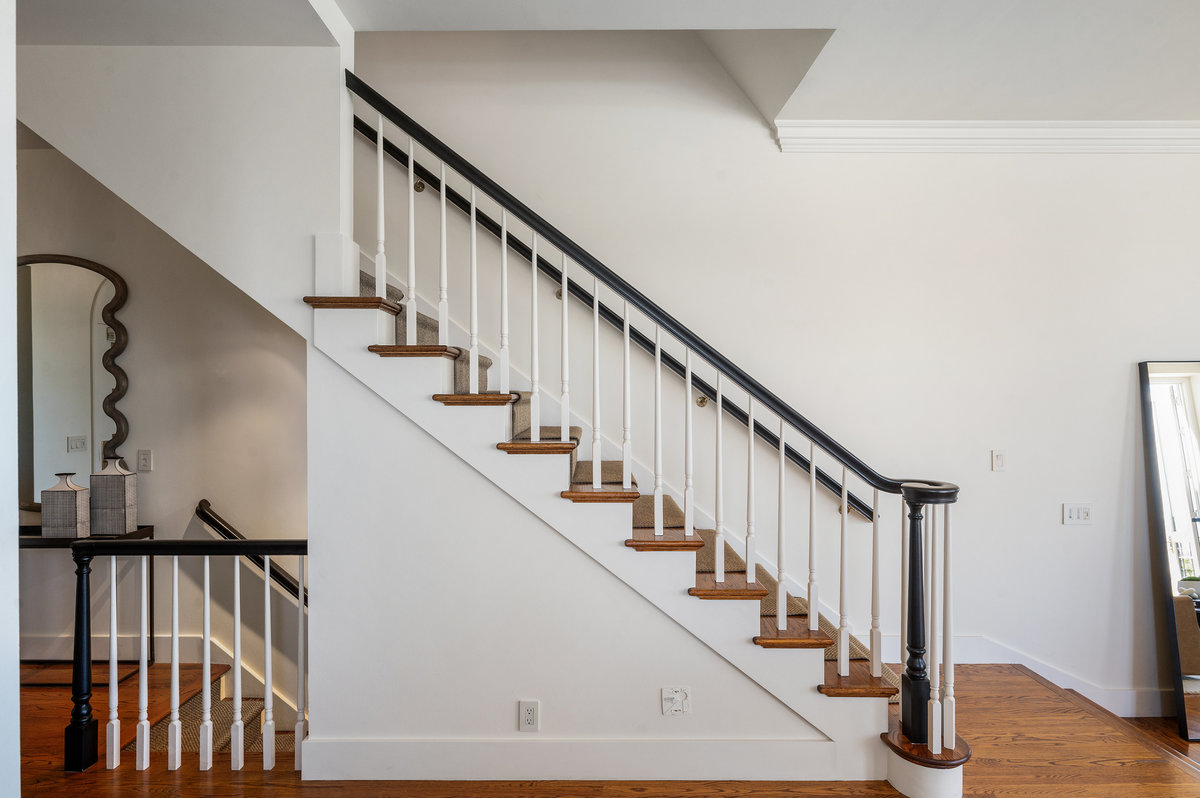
column 82, row 732
column 206, row 513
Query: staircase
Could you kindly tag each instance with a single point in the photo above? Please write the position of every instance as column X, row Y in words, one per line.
column 682, row 557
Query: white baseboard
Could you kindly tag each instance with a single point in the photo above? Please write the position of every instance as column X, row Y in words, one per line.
column 529, row 760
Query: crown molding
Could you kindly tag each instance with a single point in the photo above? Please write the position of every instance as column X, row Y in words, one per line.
column 988, row 136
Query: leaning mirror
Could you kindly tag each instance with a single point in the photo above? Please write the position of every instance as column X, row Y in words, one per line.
column 69, row 383
column 1171, row 429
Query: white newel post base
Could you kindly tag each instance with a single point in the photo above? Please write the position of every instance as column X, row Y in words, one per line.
column 335, row 265
column 916, row 781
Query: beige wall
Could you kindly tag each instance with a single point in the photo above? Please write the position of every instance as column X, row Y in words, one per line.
column 216, row 384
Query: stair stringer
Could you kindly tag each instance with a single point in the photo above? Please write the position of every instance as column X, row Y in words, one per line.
column 726, row 627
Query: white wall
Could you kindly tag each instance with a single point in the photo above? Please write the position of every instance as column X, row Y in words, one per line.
column 216, row 390
column 10, row 736
column 924, row 309
column 233, row 151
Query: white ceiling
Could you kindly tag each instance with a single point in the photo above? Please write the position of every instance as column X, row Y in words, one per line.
column 170, row 22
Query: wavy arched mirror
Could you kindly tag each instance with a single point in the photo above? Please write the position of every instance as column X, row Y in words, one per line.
column 1171, row 430
column 69, row 383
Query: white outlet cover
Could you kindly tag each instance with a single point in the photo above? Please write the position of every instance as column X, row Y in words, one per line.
column 676, row 700
column 529, row 716
column 1077, row 513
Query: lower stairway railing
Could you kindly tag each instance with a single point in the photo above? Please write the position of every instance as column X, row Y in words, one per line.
column 82, row 732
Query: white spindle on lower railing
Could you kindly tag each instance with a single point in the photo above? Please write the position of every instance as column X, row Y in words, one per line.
column 564, row 421
column 142, row 754
column 626, row 409
column 410, row 295
column 268, row 729
column 505, row 385
column 237, row 747
column 689, row 493
column 843, row 591
column 443, row 273
column 174, row 727
column 949, row 729
column 597, row 449
column 781, row 621
column 935, row 682
column 206, row 727
column 814, row 609
column 473, row 352
column 658, row 475
column 380, row 221
column 876, row 634
column 112, row 736
column 903, row 581
column 301, row 687
column 535, row 399
column 750, row 542
column 719, row 498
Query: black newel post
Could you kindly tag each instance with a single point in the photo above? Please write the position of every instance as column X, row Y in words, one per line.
column 914, row 683
column 82, row 733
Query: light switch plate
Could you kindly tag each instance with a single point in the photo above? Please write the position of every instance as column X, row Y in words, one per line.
column 1077, row 513
column 999, row 460
column 77, row 443
column 145, row 459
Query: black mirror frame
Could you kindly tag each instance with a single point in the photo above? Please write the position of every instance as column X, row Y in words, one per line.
column 120, row 341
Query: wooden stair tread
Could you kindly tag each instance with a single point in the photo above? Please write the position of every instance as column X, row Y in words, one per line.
column 475, row 399
column 353, row 303
column 608, row 494
column 611, row 472
column 643, row 512
column 919, row 754
column 551, row 441
column 733, row 588
column 672, row 539
column 797, row 634
column 417, row 350
column 859, row 684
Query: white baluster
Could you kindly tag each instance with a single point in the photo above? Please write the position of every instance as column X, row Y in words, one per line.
column 597, row 451
column 689, row 493
column 473, row 352
column 268, row 729
column 174, row 728
column 535, row 399
column 814, row 609
column 876, row 633
column 142, row 755
column 719, row 500
column 504, row 376
column 380, row 226
column 949, row 729
column 410, row 295
column 903, row 581
column 301, row 687
column 443, row 275
column 751, row 573
column 935, row 686
column 565, row 363
column 206, row 727
column 112, row 736
column 780, row 588
column 658, row 475
column 237, row 746
column 626, row 411
column 843, row 593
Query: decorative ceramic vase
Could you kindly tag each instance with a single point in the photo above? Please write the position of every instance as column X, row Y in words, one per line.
column 65, row 509
column 114, row 499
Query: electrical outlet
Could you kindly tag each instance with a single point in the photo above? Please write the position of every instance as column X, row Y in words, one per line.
column 145, row 460
column 77, row 443
column 528, row 716
column 1077, row 514
column 676, row 700
column 999, row 460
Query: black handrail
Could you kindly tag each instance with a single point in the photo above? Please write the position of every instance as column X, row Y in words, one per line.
column 81, row 737
column 614, row 281
column 640, row 339
column 226, row 530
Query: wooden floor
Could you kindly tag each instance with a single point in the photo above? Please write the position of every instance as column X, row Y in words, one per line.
column 1029, row 739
